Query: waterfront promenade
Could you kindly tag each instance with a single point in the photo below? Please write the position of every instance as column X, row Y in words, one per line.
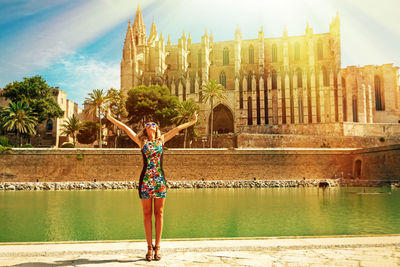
column 316, row 251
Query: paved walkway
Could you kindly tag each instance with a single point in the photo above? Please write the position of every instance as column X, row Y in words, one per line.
column 379, row 251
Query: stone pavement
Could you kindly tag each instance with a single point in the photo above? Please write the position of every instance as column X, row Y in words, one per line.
column 379, row 251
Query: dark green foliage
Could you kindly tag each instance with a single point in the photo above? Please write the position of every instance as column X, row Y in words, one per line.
column 4, row 141
column 37, row 94
column 5, row 150
column 67, row 145
column 151, row 103
column 27, row 145
column 88, row 133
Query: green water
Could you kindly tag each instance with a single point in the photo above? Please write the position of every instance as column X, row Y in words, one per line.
column 192, row 213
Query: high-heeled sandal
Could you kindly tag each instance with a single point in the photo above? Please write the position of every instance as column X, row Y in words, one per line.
column 157, row 254
column 149, row 255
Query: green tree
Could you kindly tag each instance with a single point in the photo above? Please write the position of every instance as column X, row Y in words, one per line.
column 117, row 105
column 88, row 133
column 185, row 111
column 151, row 103
column 37, row 94
column 209, row 92
column 96, row 103
column 71, row 127
column 19, row 119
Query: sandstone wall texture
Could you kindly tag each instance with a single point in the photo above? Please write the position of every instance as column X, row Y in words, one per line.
column 60, row 165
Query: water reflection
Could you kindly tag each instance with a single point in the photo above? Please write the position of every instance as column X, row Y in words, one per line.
column 250, row 212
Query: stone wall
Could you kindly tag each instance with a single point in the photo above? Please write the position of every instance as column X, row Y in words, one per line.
column 315, row 141
column 60, row 165
column 30, row 165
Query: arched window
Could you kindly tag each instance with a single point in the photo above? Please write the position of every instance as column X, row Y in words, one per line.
column 249, row 111
column 49, row 125
column 325, row 76
column 222, row 79
column 355, row 113
column 274, row 53
column 299, row 78
column 251, row 54
column 297, row 51
column 379, row 105
column 301, row 115
column 199, row 58
column 320, row 50
column 249, row 82
column 357, row 169
column 274, row 80
column 137, row 40
column 226, row 56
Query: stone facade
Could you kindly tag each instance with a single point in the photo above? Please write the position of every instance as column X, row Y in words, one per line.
column 287, row 80
column 49, row 132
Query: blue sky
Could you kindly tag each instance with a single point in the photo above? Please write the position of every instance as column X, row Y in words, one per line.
column 77, row 44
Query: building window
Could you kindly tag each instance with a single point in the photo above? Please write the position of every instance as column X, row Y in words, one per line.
column 226, row 56
column 355, row 113
column 379, row 105
column 249, row 82
column 249, row 111
column 301, row 115
column 222, row 79
column 49, row 125
column 274, row 80
column 274, row 53
column 297, row 51
column 199, row 59
column 325, row 76
column 299, row 78
column 320, row 50
column 251, row 54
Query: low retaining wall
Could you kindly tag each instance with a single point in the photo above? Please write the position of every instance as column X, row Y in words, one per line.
column 58, row 165
column 125, row 165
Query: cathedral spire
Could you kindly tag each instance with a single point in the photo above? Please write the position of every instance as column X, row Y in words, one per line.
column 139, row 29
column 153, row 33
column 129, row 44
column 139, row 17
column 285, row 32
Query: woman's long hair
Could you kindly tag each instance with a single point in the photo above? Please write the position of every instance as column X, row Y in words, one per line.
column 143, row 134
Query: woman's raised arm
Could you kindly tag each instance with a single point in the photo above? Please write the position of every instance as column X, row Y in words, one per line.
column 168, row 135
column 124, row 127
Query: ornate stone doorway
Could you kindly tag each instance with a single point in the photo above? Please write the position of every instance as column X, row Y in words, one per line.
column 223, row 120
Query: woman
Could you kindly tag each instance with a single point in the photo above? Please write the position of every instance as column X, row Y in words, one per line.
column 152, row 184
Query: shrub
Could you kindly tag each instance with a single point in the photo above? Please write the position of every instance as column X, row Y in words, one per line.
column 27, row 145
column 4, row 141
column 67, row 145
column 5, row 150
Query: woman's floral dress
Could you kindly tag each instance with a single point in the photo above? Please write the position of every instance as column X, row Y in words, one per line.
column 152, row 182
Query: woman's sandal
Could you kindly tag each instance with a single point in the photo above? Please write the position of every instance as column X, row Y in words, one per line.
column 157, row 254
column 149, row 255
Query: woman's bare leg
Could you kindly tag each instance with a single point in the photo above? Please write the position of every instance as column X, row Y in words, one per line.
column 147, row 216
column 158, row 213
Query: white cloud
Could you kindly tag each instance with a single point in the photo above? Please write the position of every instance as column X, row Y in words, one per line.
column 40, row 45
column 80, row 75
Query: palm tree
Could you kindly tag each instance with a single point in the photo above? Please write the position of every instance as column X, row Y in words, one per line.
column 185, row 110
column 117, row 105
column 96, row 101
column 71, row 127
column 209, row 91
column 19, row 118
